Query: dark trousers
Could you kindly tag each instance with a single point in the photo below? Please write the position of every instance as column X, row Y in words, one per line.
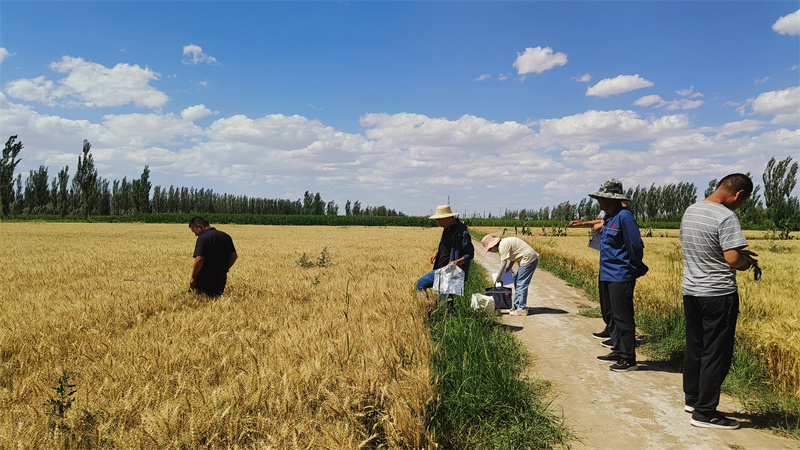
column 605, row 305
column 710, row 331
column 622, row 326
column 212, row 284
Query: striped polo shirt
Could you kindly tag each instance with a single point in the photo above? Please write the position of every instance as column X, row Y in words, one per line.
column 707, row 230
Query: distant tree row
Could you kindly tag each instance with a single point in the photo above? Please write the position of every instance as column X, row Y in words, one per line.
column 655, row 204
column 89, row 194
column 778, row 210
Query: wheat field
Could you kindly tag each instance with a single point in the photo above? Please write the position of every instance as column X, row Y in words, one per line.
column 769, row 320
column 331, row 356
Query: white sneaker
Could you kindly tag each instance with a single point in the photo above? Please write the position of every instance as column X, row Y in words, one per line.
column 519, row 312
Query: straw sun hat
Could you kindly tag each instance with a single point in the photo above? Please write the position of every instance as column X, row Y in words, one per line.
column 443, row 211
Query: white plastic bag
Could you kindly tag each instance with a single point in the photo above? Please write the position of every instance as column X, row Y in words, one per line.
column 484, row 302
column 448, row 280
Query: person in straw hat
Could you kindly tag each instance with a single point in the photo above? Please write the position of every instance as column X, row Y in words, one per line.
column 621, row 252
column 455, row 247
column 514, row 250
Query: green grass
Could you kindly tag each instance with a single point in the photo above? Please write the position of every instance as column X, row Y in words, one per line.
column 663, row 334
column 747, row 381
column 485, row 401
column 589, row 311
column 572, row 273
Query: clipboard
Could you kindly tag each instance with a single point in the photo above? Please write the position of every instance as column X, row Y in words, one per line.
column 594, row 241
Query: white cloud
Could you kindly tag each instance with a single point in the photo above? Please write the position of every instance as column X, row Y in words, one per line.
column 788, row 24
column 610, row 160
column 91, row 85
column 195, row 112
column 140, row 130
column 483, row 77
column 582, row 152
column 682, row 104
column 46, row 137
column 32, row 90
column 193, row 54
column 689, row 93
column 412, row 130
column 538, row 59
column 657, row 102
column 784, row 105
column 602, row 127
column 732, row 128
column 648, row 100
column 618, row 85
column 762, row 80
column 585, row 78
column 3, row 54
column 404, row 154
column 502, row 77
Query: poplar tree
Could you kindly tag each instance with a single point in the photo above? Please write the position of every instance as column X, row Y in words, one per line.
column 783, row 210
column 85, row 181
column 62, row 199
column 37, row 192
column 7, row 166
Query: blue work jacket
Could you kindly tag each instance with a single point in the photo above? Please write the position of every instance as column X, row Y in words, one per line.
column 621, row 248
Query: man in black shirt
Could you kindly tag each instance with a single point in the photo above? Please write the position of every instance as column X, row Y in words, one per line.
column 214, row 255
column 455, row 247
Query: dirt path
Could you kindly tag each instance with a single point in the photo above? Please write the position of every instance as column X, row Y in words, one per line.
column 605, row 409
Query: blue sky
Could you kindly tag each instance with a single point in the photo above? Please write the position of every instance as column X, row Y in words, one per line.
column 493, row 105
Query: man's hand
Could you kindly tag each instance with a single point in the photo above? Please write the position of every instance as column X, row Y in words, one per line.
column 198, row 264
column 739, row 258
column 748, row 253
column 433, row 256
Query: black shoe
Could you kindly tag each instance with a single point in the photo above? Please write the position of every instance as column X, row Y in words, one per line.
column 607, row 344
column 611, row 357
column 624, row 366
column 713, row 420
column 601, row 335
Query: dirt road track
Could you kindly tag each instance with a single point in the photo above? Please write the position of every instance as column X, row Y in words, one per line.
column 605, row 409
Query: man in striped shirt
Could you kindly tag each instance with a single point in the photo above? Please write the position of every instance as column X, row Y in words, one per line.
column 713, row 250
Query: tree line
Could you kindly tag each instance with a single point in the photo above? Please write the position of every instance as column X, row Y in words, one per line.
column 89, row 194
column 777, row 209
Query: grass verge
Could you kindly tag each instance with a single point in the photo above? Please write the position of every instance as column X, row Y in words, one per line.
column 485, row 400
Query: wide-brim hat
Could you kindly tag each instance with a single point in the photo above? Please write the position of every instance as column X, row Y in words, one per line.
column 443, row 211
column 489, row 241
column 610, row 189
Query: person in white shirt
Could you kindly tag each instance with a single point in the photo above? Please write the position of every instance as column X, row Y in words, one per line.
column 514, row 251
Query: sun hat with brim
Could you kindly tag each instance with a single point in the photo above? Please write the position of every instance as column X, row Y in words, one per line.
column 443, row 211
column 610, row 189
column 489, row 241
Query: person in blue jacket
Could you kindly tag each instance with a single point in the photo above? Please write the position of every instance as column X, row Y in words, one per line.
column 621, row 252
column 455, row 247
